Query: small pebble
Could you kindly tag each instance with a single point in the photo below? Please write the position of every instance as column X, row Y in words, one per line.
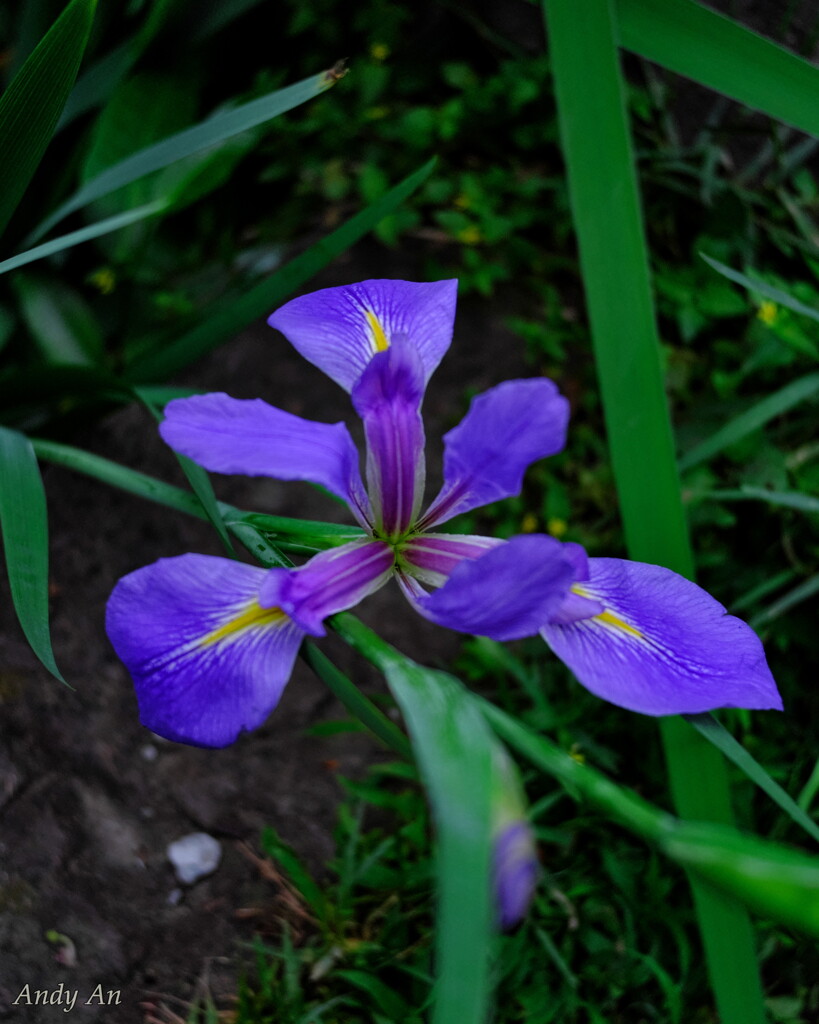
column 174, row 897
column 149, row 752
column 194, row 856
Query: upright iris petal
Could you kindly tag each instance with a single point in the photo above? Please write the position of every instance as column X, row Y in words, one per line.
column 388, row 399
column 485, row 456
column 339, row 330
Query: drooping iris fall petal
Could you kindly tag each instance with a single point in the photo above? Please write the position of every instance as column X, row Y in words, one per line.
column 661, row 645
column 206, row 659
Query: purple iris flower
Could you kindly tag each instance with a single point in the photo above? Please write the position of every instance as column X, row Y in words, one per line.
column 211, row 642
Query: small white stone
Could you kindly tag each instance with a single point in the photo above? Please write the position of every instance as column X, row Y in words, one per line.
column 194, row 856
column 149, row 752
column 174, row 897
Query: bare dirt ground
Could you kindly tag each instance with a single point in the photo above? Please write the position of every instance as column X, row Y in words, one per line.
column 89, row 799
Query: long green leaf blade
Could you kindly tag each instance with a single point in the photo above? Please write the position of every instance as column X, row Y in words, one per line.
column 784, row 499
column 24, row 522
column 752, row 419
column 232, row 316
column 31, row 106
column 457, row 759
column 207, row 133
column 101, row 227
column 687, row 38
column 716, row 733
column 608, row 219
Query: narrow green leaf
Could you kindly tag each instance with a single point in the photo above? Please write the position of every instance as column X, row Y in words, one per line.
column 785, row 499
column 24, row 522
column 715, row 51
column 762, row 288
column 607, row 215
column 752, row 419
column 457, row 757
column 716, row 733
column 101, row 227
column 207, row 133
column 274, row 846
column 454, row 750
column 225, row 319
column 31, row 105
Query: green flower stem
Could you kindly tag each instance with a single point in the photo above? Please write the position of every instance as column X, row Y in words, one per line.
column 614, row 260
column 356, row 703
column 296, row 535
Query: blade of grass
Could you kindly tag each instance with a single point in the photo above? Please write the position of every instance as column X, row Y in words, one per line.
column 715, row 732
column 784, row 499
column 608, row 220
column 229, row 317
column 715, row 51
column 24, row 523
column 220, row 126
column 752, row 419
column 806, row 589
column 761, row 288
column 101, row 227
column 31, row 105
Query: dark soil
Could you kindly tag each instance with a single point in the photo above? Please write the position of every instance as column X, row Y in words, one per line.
column 90, row 800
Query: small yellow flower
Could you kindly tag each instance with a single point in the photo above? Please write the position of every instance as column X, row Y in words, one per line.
column 470, row 235
column 104, row 279
column 576, row 755
column 557, row 527
column 768, row 312
column 376, row 113
column 462, row 201
column 379, row 51
column 529, row 523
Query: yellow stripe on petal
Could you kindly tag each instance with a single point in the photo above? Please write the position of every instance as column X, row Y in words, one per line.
column 608, row 618
column 380, row 339
column 253, row 615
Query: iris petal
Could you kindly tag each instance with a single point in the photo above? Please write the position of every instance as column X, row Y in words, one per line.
column 486, row 454
column 661, row 644
column 328, row 583
column 506, row 593
column 388, row 399
column 432, row 557
column 206, row 659
column 248, row 436
column 340, row 329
